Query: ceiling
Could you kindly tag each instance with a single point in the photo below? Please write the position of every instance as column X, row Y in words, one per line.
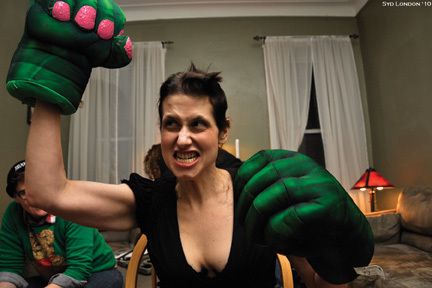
column 137, row 10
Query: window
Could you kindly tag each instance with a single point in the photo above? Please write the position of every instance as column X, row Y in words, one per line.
column 312, row 144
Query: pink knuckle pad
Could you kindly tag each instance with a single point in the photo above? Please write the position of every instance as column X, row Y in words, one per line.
column 128, row 48
column 61, row 11
column 86, row 17
column 106, row 29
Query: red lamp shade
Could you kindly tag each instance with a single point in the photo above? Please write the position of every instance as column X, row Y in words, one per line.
column 371, row 179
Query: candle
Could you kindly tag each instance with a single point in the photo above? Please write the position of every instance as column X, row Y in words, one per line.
column 237, row 148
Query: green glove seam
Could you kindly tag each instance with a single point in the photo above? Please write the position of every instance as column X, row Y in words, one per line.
column 15, row 88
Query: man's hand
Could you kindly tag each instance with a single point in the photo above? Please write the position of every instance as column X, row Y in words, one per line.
column 62, row 42
column 7, row 285
column 52, row 285
column 289, row 202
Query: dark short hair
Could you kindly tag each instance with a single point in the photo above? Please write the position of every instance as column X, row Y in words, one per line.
column 152, row 160
column 197, row 83
column 16, row 174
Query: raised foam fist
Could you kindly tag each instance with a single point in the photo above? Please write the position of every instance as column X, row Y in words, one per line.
column 290, row 203
column 62, row 42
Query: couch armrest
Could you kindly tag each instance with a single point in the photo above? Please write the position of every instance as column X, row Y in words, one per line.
column 385, row 226
column 381, row 212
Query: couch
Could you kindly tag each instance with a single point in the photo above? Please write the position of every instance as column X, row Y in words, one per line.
column 403, row 243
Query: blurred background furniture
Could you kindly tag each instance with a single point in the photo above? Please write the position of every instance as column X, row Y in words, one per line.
column 403, row 242
column 121, row 241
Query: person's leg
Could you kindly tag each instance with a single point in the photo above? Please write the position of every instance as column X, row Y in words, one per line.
column 278, row 275
column 106, row 279
column 36, row 282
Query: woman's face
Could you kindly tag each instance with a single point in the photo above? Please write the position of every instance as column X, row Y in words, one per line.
column 189, row 136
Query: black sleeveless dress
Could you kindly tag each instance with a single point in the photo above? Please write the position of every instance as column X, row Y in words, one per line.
column 248, row 265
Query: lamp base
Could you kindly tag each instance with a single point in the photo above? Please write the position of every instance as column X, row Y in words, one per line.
column 372, row 199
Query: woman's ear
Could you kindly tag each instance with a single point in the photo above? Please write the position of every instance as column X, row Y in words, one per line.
column 223, row 134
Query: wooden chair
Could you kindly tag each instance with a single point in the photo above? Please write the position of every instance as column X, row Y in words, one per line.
column 141, row 244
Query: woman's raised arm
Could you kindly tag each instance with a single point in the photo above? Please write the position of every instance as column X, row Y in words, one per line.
column 61, row 44
column 106, row 206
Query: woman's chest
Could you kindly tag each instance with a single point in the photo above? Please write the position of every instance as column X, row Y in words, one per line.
column 206, row 236
column 239, row 260
column 188, row 242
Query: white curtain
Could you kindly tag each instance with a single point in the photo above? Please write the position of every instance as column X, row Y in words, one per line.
column 338, row 98
column 118, row 122
column 340, row 108
column 288, row 71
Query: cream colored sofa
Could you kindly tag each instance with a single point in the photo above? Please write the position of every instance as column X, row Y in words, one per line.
column 403, row 242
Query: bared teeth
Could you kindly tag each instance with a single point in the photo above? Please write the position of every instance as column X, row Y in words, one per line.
column 186, row 157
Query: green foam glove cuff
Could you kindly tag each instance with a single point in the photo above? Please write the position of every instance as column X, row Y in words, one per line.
column 37, row 73
column 21, row 89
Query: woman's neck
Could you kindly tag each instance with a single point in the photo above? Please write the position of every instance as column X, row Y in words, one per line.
column 215, row 185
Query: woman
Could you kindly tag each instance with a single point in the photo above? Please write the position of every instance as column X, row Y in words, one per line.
column 192, row 220
column 194, row 238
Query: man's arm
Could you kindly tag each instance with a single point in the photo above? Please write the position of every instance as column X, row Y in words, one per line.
column 83, row 251
column 11, row 248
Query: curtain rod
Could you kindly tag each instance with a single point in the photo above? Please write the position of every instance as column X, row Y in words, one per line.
column 165, row 43
column 262, row 38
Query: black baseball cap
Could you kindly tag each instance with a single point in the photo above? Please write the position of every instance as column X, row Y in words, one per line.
column 14, row 175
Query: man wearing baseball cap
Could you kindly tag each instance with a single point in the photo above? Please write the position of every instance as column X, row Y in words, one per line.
column 41, row 250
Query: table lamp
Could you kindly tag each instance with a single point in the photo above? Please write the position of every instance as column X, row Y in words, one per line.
column 372, row 180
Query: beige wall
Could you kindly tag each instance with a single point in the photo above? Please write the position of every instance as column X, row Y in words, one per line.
column 13, row 126
column 396, row 44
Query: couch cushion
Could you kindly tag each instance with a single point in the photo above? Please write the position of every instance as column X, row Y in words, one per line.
column 385, row 227
column 415, row 207
column 404, row 266
column 420, row 241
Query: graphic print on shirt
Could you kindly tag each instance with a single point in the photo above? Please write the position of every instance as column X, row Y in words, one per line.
column 42, row 244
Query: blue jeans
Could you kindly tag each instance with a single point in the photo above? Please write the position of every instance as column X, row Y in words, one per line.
column 111, row 278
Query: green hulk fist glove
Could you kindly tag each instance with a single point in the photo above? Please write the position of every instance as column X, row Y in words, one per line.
column 290, row 203
column 62, row 42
